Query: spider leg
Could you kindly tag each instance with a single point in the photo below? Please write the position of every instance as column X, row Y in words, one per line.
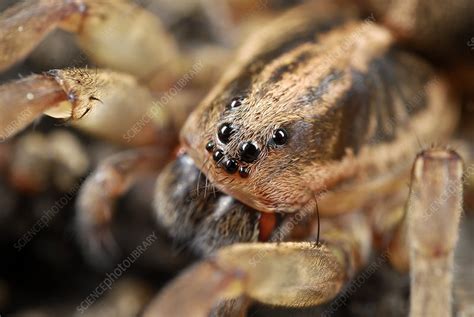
column 116, row 34
column 426, row 239
column 95, row 204
column 23, row 101
column 108, row 104
column 292, row 274
column 121, row 35
column 24, row 25
column 434, row 211
column 39, row 160
column 427, row 24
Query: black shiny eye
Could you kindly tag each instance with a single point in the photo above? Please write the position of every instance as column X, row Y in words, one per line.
column 231, row 166
column 249, row 152
column 224, row 132
column 244, row 172
column 236, row 102
column 218, row 155
column 280, row 136
column 210, row 146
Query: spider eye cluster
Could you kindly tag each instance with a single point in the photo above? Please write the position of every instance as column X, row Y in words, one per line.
column 249, row 150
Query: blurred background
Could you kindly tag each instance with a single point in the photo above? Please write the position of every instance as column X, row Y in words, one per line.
column 43, row 271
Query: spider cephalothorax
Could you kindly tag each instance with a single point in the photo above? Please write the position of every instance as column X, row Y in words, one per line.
column 324, row 109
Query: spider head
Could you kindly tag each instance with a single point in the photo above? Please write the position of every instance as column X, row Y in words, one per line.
column 252, row 151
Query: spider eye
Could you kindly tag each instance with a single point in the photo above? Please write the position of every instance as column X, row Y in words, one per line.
column 244, row 172
column 231, row 166
column 280, row 136
column 236, row 102
column 218, row 155
column 249, row 152
column 210, row 146
column 224, row 132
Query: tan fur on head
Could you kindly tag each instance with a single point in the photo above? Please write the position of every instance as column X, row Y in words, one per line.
column 343, row 94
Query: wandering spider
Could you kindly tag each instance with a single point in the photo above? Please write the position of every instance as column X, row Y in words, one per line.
column 293, row 167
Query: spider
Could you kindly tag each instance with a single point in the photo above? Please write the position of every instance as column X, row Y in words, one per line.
column 294, row 165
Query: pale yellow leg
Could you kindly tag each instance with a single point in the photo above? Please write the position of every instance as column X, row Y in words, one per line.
column 292, row 274
column 116, row 34
column 24, row 25
column 24, row 100
column 434, row 210
column 107, row 104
